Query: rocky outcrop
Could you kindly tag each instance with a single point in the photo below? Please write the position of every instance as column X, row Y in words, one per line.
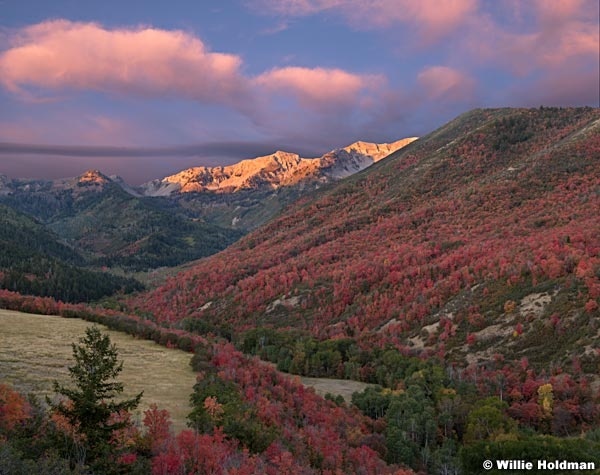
column 273, row 171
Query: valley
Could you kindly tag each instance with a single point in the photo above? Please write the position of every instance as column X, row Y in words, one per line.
column 443, row 235
column 326, row 237
column 454, row 284
column 97, row 227
column 44, row 347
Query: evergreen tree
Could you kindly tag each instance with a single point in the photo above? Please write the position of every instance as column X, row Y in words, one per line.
column 91, row 402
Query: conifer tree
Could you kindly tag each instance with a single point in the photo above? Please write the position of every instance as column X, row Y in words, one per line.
column 91, row 402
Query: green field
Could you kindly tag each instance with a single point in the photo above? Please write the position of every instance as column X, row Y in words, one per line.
column 35, row 350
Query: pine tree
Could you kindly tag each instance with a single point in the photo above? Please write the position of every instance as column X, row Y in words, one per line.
column 89, row 405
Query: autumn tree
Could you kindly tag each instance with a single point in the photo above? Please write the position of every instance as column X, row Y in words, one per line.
column 91, row 402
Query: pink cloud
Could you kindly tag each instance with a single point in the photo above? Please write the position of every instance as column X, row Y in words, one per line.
column 445, row 83
column 562, row 32
column 559, row 11
column 434, row 18
column 319, row 88
column 61, row 54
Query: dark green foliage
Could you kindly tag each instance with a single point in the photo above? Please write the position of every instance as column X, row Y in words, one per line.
column 511, row 131
column 373, row 402
column 487, row 420
column 51, row 278
column 18, row 462
column 204, row 327
column 115, row 229
column 19, row 234
column 218, row 403
column 530, row 448
column 33, row 261
column 92, row 401
column 201, row 359
column 411, row 427
column 295, row 352
column 138, row 233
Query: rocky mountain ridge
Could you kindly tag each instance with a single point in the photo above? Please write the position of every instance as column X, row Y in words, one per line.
column 267, row 172
column 189, row 215
column 275, row 170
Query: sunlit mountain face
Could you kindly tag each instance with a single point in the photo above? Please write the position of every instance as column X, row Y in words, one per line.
column 275, row 170
column 190, row 215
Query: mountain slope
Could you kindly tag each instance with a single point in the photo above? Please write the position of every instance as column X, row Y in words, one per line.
column 248, row 194
column 181, row 219
column 99, row 216
column 471, row 241
column 33, row 261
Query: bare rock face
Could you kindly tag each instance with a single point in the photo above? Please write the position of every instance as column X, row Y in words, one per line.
column 94, row 177
column 274, row 171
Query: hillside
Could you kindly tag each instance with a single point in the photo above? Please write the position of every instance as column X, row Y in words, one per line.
column 247, row 194
column 178, row 219
column 459, row 278
column 111, row 225
column 34, row 261
column 479, row 239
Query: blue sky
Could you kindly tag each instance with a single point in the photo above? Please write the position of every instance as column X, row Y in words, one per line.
column 213, row 82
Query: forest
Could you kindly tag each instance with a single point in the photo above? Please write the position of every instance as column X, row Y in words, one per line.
column 459, row 277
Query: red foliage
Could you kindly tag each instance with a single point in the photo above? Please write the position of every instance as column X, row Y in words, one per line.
column 312, row 427
column 158, row 428
column 14, row 409
column 403, row 241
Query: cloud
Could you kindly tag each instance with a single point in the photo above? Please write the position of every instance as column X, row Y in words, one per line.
column 220, row 149
column 563, row 88
column 517, row 53
column 561, row 32
column 443, row 82
column 550, row 12
column 319, row 88
column 296, row 7
column 135, row 164
column 61, row 54
column 433, row 18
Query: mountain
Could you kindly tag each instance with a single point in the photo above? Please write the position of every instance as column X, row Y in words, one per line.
column 346, row 161
column 47, row 199
column 460, row 277
column 479, row 239
column 111, row 225
column 274, row 171
column 180, row 218
column 248, row 194
column 34, row 261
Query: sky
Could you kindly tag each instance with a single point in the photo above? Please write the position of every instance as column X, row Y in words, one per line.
column 144, row 89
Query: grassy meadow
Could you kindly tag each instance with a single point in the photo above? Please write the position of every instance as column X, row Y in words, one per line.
column 35, row 350
column 336, row 387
